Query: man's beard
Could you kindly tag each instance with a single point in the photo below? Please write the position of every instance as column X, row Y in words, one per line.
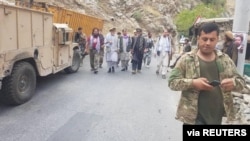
column 206, row 53
column 237, row 44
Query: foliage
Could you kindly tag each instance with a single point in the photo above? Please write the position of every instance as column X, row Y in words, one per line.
column 215, row 2
column 185, row 19
column 138, row 16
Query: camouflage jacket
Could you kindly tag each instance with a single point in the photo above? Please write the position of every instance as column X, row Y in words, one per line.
column 188, row 69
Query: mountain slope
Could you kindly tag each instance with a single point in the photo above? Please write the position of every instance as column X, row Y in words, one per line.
column 151, row 15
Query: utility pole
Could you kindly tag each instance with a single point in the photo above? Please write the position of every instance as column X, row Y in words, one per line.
column 241, row 26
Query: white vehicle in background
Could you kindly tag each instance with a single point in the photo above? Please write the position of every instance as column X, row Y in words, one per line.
column 182, row 40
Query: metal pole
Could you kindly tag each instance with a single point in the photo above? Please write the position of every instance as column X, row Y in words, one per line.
column 241, row 25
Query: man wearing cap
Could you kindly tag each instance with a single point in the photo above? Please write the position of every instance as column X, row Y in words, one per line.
column 137, row 51
column 111, row 50
column 229, row 47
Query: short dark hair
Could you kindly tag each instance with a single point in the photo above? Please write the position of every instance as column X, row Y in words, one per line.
column 208, row 28
column 240, row 36
column 79, row 28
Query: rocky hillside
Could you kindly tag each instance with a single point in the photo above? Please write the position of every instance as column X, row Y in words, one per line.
column 152, row 15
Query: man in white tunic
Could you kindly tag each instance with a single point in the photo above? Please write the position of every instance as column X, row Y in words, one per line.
column 111, row 50
column 163, row 50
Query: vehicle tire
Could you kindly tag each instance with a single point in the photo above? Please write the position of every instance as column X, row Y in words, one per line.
column 20, row 86
column 76, row 61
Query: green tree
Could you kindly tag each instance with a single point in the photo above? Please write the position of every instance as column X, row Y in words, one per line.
column 138, row 16
column 185, row 19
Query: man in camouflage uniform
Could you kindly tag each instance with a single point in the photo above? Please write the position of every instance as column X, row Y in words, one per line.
column 80, row 38
column 200, row 102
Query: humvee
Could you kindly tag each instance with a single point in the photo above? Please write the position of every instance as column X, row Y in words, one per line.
column 32, row 45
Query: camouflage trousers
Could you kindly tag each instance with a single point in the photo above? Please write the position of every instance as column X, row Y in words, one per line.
column 101, row 56
column 94, row 59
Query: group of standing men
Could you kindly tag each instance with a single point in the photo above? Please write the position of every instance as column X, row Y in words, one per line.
column 120, row 47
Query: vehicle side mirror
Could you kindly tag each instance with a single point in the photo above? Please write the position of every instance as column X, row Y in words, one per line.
column 64, row 37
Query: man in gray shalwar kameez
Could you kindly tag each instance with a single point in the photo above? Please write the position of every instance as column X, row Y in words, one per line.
column 124, row 48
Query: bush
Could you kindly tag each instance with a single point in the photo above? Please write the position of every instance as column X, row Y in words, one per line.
column 215, row 2
column 185, row 19
column 138, row 16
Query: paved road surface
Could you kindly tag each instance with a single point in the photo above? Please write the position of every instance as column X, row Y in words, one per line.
column 88, row 107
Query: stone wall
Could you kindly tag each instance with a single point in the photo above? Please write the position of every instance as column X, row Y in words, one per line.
column 242, row 107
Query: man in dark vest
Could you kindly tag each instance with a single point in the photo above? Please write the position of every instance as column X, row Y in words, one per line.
column 137, row 50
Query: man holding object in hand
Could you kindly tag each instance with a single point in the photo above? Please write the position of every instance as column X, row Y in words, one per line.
column 200, row 102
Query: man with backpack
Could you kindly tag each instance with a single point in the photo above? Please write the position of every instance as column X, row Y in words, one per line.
column 80, row 38
column 148, row 50
column 163, row 51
